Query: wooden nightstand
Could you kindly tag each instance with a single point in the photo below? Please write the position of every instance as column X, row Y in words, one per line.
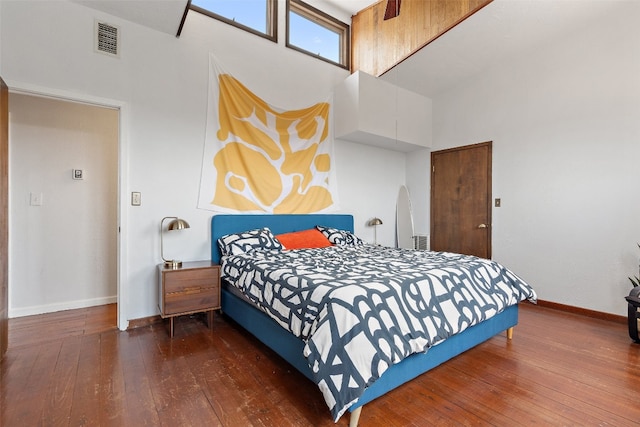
column 193, row 288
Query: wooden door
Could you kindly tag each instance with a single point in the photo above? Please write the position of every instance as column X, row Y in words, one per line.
column 4, row 217
column 461, row 200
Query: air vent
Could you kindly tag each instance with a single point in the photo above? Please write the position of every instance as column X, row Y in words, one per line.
column 421, row 242
column 107, row 39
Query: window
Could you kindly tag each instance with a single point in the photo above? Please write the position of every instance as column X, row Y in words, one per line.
column 256, row 16
column 315, row 33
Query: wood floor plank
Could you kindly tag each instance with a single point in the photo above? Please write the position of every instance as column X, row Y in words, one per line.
column 170, row 378
column 560, row 369
column 139, row 405
column 86, row 403
column 539, row 371
column 30, row 330
column 533, row 399
column 15, row 370
column 277, row 381
column 211, row 369
column 254, row 403
column 62, row 383
column 111, row 386
column 484, row 399
column 28, row 408
column 100, row 319
column 426, row 403
column 403, row 413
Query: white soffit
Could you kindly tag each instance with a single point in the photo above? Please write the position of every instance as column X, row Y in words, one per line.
column 501, row 29
column 350, row 7
column 161, row 15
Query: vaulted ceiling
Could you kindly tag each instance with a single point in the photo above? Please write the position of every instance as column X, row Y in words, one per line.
column 500, row 29
column 161, row 15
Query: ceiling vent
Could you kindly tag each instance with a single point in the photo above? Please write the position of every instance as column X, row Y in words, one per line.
column 107, row 39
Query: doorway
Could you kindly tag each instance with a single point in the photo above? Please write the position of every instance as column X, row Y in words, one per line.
column 461, row 200
column 63, row 246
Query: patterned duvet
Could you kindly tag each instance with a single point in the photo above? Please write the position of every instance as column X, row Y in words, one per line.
column 361, row 309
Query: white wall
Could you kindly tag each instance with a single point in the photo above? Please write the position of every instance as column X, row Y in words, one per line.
column 369, row 179
column 162, row 80
column 565, row 123
column 62, row 248
column 419, row 185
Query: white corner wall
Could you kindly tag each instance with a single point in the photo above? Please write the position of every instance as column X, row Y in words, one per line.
column 162, row 80
column 565, row 123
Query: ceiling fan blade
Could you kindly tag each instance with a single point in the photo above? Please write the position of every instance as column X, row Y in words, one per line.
column 392, row 10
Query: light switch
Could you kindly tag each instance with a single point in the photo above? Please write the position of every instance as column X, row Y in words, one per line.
column 497, row 203
column 136, row 198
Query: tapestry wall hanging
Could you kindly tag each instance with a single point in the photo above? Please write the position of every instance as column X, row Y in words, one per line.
column 261, row 159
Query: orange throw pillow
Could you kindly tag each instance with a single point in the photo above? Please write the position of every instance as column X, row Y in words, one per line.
column 304, row 239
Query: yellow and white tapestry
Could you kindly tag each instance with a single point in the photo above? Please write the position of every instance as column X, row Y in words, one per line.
column 260, row 159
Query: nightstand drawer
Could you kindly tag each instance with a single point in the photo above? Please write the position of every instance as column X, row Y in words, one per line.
column 192, row 288
column 176, row 281
column 191, row 300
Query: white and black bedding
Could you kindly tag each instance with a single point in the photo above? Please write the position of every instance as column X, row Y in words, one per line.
column 361, row 308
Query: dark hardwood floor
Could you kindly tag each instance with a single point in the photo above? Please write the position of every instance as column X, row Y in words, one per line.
column 74, row 368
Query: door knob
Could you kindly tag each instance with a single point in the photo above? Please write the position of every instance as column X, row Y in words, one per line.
column 483, row 226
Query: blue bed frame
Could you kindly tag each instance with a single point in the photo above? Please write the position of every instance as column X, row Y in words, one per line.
column 290, row 347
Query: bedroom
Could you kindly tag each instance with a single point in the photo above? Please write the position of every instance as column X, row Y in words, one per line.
column 568, row 185
column 562, row 117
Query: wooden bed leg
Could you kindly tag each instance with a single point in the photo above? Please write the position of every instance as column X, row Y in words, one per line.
column 355, row 417
column 510, row 333
column 210, row 319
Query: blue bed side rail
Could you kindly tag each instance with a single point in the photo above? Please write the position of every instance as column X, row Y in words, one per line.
column 290, row 347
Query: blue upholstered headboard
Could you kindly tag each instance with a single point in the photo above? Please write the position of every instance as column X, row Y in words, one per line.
column 224, row 224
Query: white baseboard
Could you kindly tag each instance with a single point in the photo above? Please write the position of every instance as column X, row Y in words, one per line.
column 66, row 305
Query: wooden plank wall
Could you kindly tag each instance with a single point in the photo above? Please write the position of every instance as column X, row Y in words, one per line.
column 378, row 45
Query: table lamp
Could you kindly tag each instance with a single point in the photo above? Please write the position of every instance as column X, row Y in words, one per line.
column 375, row 222
column 175, row 224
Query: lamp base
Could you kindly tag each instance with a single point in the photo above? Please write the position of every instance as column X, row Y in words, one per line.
column 173, row 264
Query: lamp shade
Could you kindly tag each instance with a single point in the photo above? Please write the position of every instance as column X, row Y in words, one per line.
column 178, row 224
column 375, row 221
column 175, row 224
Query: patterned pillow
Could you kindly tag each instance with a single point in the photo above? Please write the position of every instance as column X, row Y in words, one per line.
column 334, row 235
column 340, row 237
column 240, row 243
column 352, row 239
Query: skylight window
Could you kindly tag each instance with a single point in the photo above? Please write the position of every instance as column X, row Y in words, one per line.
column 255, row 16
column 315, row 33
